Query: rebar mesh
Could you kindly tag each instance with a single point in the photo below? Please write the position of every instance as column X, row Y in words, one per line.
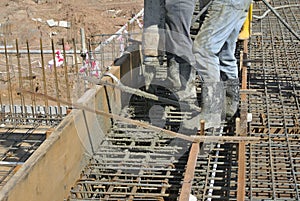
column 272, row 170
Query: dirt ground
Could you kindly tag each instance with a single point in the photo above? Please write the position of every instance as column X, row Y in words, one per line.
column 27, row 20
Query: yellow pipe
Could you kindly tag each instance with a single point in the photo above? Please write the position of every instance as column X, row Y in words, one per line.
column 246, row 29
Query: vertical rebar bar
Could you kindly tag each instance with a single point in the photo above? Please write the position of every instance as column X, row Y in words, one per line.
column 23, row 108
column 44, row 80
column 189, row 172
column 31, row 80
column 9, row 88
column 66, row 71
column 83, row 43
column 129, row 29
column 1, row 103
column 55, row 76
column 237, row 126
column 131, row 65
column 241, row 189
column 113, row 52
column 102, row 57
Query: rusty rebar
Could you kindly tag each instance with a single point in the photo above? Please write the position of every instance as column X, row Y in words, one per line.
column 57, row 91
column 281, row 19
column 44, row 78
column 33, row 98
column 241, row 188
column 8, row 79
column 66, row 72
column 197, row 139
column 22, row 99
column 190, row 169
column 272, row 165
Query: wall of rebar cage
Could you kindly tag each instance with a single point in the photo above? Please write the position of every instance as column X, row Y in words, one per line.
column 54, row 68
column 273, row 169
column 36, row 75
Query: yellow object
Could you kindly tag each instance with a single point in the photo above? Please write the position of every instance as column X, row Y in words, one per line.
column 246, row 29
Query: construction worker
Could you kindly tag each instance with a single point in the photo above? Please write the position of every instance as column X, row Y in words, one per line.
column 214, row 49
column 181, row 61
column 176, row 43
column 169, row 35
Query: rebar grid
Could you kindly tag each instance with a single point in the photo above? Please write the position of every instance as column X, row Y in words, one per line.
column 34, row 116
column 17, row 145
column 272, row 170
column 33, row 71
column 271, row 165
column 132, row 164
column 55, row 68
column 138, row 164
column 216, row 171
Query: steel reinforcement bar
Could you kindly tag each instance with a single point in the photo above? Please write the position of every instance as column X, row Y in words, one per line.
column 272, row 165
column 132, row 164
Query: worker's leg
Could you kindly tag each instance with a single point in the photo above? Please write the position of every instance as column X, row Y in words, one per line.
column 178, row 43
column 188, row 96
column 153, row 33
column 181, row 60
column 212, row 103
column 228, row 64
column 216, row 29
column 178, row 22
column 232, row 97
column 152, row 39
column 229, row 75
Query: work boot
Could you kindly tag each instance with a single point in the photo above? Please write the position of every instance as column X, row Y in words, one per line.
column 212, row 103
column 190, row 122
column 150, row 70
column 232, row 99
column 187, row 81
column 149, row 74
column 173, row 74
column 188, row 98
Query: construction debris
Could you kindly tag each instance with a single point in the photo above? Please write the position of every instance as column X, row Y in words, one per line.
column 64, row 24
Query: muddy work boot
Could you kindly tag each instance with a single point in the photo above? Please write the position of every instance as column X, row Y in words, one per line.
column 173, row 75
column 212, row 103
column 149, row 72
column 188, row 100
column 232, row 97
column 190, row 122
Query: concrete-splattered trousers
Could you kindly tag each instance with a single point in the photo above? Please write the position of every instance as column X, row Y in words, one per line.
column 178, row 16
column 215, row 44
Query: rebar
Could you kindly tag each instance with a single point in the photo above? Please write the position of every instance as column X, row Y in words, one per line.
column 17, row 145
column 33, row 99
column 20, row 78
column 273, row 169
column 8, row 79
column 131, row 164
column 43, row 75
column 65, row 66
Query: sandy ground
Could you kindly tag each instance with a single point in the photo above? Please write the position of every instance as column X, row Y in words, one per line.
column 28, row 20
